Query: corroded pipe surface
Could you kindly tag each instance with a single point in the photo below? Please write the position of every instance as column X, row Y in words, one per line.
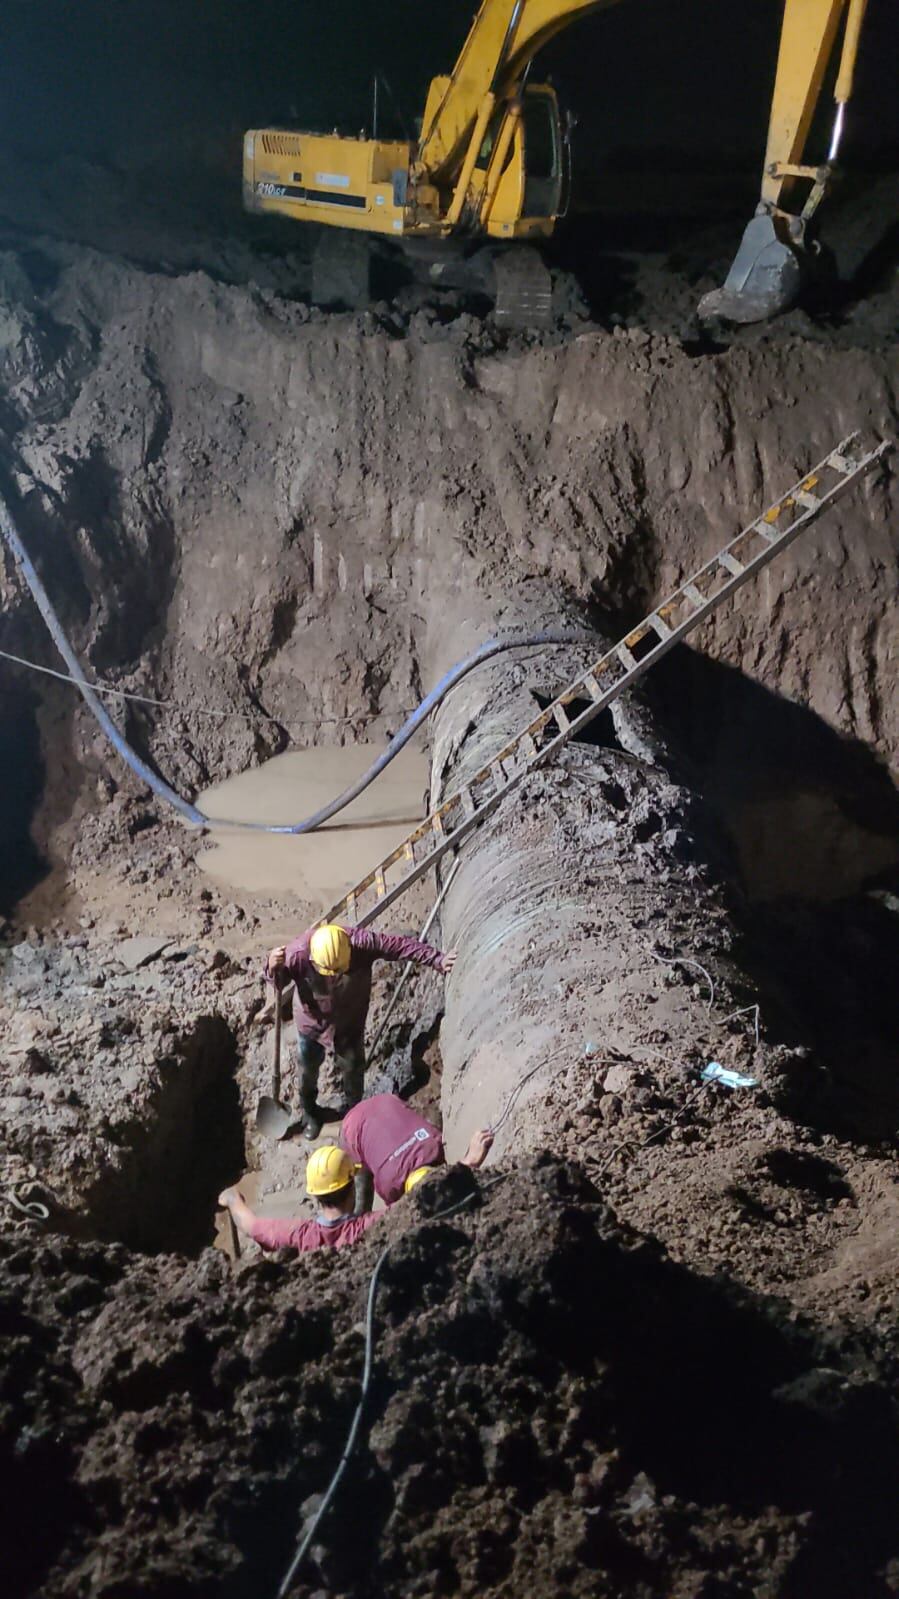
column 560, row 900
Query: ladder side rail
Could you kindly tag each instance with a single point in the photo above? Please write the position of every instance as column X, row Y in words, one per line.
column 758, row 562
column 849, row 473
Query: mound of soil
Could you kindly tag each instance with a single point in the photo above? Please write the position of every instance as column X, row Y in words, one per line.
column 555, row 1404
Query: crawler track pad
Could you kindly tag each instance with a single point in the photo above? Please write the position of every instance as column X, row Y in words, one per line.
column 523, row 290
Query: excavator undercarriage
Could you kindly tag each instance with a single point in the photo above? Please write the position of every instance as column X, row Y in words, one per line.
column 514, row 281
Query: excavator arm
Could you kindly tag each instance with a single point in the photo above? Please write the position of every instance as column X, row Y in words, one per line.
column 767, row 271
column 502, row 42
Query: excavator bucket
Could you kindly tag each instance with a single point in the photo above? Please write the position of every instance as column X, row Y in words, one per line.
column 764, row 279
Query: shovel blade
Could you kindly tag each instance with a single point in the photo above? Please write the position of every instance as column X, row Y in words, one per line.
column 273, row 1119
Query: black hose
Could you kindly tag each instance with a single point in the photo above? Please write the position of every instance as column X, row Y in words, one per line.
column 484, row 652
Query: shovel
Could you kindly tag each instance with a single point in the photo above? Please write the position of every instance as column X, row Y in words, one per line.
column 274, row 1119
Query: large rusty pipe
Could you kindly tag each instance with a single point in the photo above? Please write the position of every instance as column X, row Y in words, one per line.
column 555, row 906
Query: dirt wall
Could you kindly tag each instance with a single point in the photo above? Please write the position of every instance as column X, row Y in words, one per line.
column 247, row 507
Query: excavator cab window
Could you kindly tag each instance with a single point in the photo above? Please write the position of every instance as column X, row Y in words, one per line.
column 490, row 138
column 542, row 155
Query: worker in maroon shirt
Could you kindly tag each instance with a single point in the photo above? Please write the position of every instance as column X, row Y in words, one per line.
column 398, row 1147
column 330, row 1177
column 331, row 968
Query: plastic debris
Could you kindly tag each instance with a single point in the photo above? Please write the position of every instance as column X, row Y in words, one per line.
column 714, row 1073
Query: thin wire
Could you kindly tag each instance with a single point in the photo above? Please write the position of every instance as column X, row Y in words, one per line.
column 628, row 1143
column 379, row 1030
column 744, row 1012
column 495, row 1127
column 683, row 960
column 31, row 1208
column 141, row 699
column 356, row 1422
column 352, row 1435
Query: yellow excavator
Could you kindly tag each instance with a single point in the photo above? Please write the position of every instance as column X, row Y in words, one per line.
column 489, row 170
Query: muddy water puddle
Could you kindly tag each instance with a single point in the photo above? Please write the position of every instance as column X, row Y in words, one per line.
column 316, row 867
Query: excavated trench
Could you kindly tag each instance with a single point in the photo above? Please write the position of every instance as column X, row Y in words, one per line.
column 22, row 763
column 172, row 1160
column 294, row 550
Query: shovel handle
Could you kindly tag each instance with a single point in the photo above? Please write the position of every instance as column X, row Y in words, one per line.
column 276, row 1063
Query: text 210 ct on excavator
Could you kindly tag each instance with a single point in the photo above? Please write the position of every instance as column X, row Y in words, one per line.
column 489, row 170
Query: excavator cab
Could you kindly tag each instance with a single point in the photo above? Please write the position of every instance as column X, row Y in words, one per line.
column 543, row 152
column 518, row 178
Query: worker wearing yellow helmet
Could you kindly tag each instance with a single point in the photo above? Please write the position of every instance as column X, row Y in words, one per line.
column 330, row 1174
column 399, row 1147
column 331, row 968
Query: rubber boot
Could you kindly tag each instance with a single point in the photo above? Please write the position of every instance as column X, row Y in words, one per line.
column 312, row 1122
column 365, row 1191
column 311, row 1056
column 350, row 1060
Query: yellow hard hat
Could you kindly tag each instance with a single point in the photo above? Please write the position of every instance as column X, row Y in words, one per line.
column 416, row 1177
column 330, row 949
column 329, row 1169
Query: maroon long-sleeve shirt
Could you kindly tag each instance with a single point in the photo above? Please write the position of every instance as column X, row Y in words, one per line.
column 270, row 1233
column 336, row 1014
column 392, row 1140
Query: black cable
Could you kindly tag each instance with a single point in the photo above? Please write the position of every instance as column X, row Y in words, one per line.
column 352, row 1435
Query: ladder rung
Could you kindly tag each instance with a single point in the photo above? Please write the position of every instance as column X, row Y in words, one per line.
column 731, row 564
column 604, row 681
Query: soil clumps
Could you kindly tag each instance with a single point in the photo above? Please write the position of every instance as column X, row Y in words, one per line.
column 265, row 518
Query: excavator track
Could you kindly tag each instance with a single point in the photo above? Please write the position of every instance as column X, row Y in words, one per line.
column 523, row 289
column 772, row 532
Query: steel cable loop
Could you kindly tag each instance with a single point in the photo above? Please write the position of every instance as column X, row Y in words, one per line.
column 353, row 1434
column 32, row 1209
column 90, row 693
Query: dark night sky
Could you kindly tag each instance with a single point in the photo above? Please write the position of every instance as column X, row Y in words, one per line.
column 133, row 81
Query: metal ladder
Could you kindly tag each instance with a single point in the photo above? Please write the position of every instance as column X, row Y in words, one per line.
column 610, row 676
